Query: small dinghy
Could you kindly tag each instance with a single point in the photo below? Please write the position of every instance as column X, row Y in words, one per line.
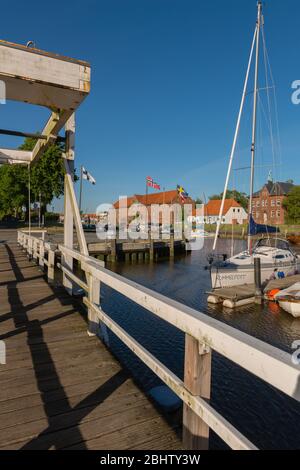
column 289, row 299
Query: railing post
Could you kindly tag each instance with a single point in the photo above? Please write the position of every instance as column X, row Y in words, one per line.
column 94, row 297
column 51, row 265
column 35, row 254
column 41, row 253
column 30, row 249
column 197, row 380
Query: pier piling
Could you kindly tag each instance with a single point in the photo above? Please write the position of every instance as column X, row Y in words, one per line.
column 257, row 281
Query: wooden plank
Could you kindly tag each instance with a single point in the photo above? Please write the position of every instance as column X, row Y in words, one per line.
column 139, row 437
column 125, row 392
column 84, row 431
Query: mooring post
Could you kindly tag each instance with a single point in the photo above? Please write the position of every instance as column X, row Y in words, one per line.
column 257, row 280
column 151, row 252
column 172, row 245
column 113, row 250
column 197, row 380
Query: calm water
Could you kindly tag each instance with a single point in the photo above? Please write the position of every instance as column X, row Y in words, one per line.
column 267, row 417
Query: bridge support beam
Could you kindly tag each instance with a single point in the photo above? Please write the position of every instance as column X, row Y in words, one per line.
column 68, row 211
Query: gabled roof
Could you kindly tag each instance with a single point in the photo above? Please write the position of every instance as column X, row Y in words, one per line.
column 166, row 197
column 212, row 208
column 276, row 189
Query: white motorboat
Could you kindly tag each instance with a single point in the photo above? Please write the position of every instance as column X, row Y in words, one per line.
column 277, row 261
column 289, row 300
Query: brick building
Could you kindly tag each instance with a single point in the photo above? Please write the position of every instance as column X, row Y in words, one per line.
column 267, row 205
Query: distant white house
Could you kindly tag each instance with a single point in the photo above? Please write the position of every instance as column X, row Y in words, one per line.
column 233, row 213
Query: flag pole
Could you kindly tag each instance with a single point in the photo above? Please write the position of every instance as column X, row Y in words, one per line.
column 80, row 192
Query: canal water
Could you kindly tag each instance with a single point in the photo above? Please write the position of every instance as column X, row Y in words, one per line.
column 266, row 416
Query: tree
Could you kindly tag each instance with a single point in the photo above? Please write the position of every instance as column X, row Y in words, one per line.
column 46, row 176
column 292, row 205
column 13, row 189
column 239, row 197
column 199, row 201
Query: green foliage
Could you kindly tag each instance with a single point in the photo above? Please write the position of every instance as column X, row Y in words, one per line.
column 13, row 189
column 239, row 197
column 199, row 201
column 292, row 205
column 46, row 176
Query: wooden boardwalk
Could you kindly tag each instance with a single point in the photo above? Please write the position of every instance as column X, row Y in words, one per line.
column 61, row 389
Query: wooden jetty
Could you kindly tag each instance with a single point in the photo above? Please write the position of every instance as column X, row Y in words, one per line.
column 233, row 297
column 59, row 388
column 138, row 250
column 245, row 294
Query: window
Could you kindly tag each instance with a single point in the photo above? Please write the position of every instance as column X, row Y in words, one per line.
column 272, row 202
column 278, row 202
column 273, row 214
column 263, row 203
column 278, row 213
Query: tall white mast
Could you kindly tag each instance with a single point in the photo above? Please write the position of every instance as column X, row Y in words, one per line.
column 235, row 138
column 254, row 124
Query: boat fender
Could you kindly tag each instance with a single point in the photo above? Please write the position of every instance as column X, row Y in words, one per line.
column 271, row 294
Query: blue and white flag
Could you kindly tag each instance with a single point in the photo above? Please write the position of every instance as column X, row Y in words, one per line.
column 87, row 176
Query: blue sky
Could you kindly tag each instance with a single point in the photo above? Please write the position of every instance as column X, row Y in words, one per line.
column 167, row 77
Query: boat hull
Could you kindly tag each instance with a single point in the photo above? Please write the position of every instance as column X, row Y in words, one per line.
column 230, row 276
column 291, row 306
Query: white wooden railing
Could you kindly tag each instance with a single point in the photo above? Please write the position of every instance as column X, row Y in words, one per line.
column 202, row 336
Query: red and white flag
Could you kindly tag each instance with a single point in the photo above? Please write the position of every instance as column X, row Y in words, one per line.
column 151, row 183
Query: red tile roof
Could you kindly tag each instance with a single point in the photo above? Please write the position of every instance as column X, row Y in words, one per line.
column 213, row 207
column 166, row 197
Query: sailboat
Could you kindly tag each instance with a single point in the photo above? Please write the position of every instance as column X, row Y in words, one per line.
column 277, row 258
